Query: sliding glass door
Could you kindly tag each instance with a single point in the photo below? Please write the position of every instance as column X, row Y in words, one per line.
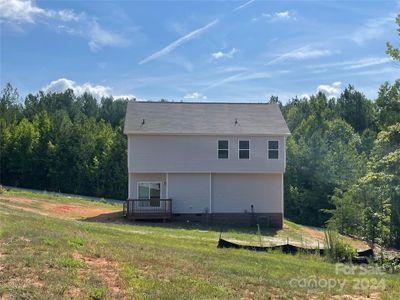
column 150, row 191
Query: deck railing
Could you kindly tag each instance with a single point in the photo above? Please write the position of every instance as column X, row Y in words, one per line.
column 148, row 208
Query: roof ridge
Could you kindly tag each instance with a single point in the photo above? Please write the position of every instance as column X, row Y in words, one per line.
column 181, row 102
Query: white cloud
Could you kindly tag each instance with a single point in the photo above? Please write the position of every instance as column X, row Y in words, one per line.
column 278, row 16
column 220, row 55
column 243, row 76
column 368, row 62
column 25, row 11
column 99, row 37
column 195, row 96
column 331, row 90
column 305, row 96
column 244, row 5
column 373, row 29
column 97, row 91
column 16, row 12
column 350, row 64
column 178, row 42
column 19, row 11
column 68, row 15
column 283, row 15
column 306, row 52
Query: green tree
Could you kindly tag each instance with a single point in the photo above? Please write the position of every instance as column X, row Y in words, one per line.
column 392, row 50
column 356, row 109
column 388, row 104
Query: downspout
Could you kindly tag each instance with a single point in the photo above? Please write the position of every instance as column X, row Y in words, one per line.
column 210, row 196
column 166, row 186
column 129, row 174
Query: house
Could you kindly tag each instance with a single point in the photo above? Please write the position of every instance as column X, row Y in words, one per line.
column 221, row 162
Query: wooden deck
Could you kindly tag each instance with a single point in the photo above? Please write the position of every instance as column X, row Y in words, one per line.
column 148, row 209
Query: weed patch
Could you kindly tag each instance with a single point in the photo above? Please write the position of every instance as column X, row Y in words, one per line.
column 69, row 262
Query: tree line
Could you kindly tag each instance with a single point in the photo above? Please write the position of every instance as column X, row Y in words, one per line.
column 343, row 156
column 343, row 163
column 61, row 142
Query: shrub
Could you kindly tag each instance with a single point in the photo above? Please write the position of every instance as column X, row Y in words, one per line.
column 336, row 249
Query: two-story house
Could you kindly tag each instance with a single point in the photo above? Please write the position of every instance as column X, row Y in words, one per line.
column 222, row 162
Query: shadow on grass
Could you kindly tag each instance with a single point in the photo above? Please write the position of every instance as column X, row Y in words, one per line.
column 118, row 218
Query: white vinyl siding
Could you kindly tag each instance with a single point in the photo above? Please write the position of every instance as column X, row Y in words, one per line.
column 190, row 193
column 192, row 154
column 236, row 193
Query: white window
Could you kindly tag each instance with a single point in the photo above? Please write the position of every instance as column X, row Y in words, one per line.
column 223, row 149
column 244, row 149
column 273, row 149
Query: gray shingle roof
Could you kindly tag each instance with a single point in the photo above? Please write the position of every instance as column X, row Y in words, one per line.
column 204, row 118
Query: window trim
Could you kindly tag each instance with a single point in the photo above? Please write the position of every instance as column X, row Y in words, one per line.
column 243, row 149
column 270, row 140
column 222, row 149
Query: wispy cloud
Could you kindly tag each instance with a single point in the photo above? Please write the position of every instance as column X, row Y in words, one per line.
column 387, row 71
column 280, row 16
column 18, row 12
column 221, row 55
column 373, row 29
column 100, row 37
column 178, row 42
column 195, row 96
column 244, row 5
column 306, row 52
column 243, row 76
column 331, row 90
column 368, row 62
column 97, row 91
column 351, row 64
column 229, row 69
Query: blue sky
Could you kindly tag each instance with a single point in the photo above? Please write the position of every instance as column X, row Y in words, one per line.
column 241, row 51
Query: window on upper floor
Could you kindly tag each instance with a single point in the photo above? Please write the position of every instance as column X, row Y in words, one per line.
column 223, row 149
column 244, row 149
column 273, row 149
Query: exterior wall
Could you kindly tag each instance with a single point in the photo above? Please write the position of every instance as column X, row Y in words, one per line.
column 235, row 193
column 134, row 178
column 190, row 193
column 198, row 154
column 226, row 198
column 230, row 193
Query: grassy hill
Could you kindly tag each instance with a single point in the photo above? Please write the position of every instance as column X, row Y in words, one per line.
column 52, row 246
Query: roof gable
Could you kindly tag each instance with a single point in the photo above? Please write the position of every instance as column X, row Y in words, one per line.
column 204, row 118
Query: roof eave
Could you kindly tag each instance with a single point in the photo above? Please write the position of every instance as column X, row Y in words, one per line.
column 207, row 133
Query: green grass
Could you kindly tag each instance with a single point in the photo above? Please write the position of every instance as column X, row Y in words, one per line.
column 47, row 257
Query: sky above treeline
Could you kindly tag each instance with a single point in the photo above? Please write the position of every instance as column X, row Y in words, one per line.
column 238, row 51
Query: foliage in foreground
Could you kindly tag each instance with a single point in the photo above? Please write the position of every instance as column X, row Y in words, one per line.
column 336, row 250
